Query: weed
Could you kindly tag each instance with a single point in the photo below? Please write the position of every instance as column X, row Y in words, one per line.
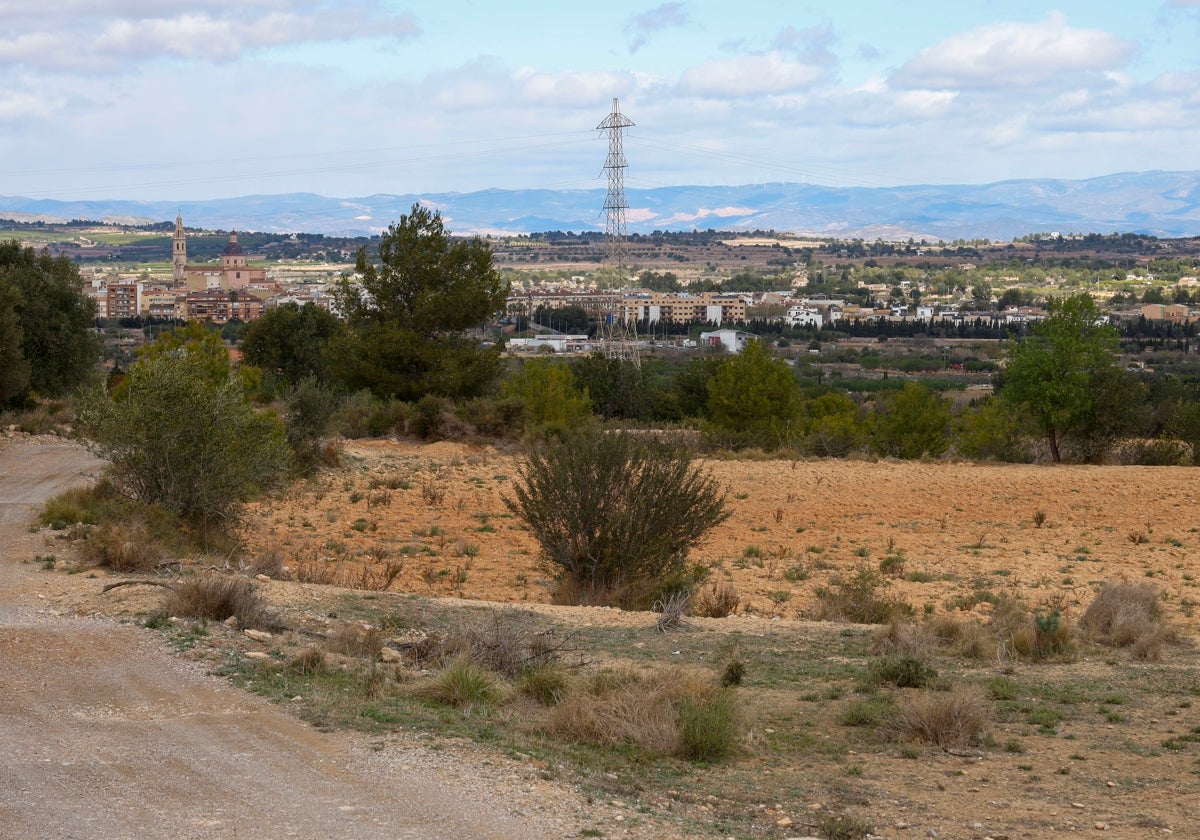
column 902, row 672
column 709, row 726
column 1039, row 518
column 857, row 599
column 868, row 711
column 734, row 673
column 546, row 683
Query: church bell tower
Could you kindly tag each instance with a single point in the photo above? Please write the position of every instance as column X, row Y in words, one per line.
column 179, row 249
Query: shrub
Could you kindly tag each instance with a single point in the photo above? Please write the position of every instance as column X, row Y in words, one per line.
column 1156, row 453
column 503, row 645
column 356, row 640
column 214, row 597
column 551, row 401
column 902, row 671
column 1128, row 615
column 308, row 418
column 868, row 711
column 910, row 423
column 952, row 719
column 178, row 440
column 1028, row 634
column 900, row 638
column 615, row 514
column 857, row 599
column 753, row 400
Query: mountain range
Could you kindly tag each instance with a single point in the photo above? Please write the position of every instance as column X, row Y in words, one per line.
column 1165, row 204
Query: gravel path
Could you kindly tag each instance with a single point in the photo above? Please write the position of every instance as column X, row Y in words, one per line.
column 104, row 734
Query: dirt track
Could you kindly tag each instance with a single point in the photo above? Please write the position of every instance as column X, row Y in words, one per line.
column 104, row 734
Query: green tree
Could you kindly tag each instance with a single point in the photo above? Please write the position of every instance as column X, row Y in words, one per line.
column 551, row 402
column 910, row 423
column 14, row 367
column 830, row 426
column 291, row 341
column 617, row 387
column 42, row 305
column 408, row 315
column 1061, row 372
column 753, row 399
column 993, row 430
column 176, row 439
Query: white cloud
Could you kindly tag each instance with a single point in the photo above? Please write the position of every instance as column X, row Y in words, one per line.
column 572, row 89
column 750, row 75
column 1005, row 55
column 90, row 36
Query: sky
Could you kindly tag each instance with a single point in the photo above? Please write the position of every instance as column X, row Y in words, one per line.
column 197, row 99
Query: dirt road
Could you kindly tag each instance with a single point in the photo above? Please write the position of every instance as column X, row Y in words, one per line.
column 104, row 734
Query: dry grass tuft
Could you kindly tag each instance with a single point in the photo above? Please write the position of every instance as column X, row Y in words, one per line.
column 951, row 719
column 672, row 610
column 215, row 597
column 463, row 684
column 123, row 546
column 502, row 645
column 1129, row 615
column 356, row 640
column 674, row 711
column 901, row 638
column 309, row 661
column 716, row 600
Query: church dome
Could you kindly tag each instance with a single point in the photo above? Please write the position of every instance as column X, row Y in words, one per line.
column 233, row 249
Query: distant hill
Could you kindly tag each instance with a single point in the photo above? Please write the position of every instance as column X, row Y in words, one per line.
column 1165, row 204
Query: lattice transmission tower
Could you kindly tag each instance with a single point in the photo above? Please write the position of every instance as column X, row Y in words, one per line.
column 620, row 337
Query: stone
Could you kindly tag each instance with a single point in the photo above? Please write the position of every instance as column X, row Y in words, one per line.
column 257, row 654
column 257, row 635
column 262, row 577
column 783, row 822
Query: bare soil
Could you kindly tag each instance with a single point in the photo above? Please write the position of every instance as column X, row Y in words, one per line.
column 951, row 528
column 107, row 735
column 1119, row 760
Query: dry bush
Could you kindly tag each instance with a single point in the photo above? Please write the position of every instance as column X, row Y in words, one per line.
column 1030, row 634
column 270, row 562
column 216, row 597
column 1128, row 615
column 950, row 719
column 356, row 640
column 901, row 638
column 677, row 711
column 501, row 645
column 715, row 600
column 349, row 572
column 672, row 609
column 124, row 546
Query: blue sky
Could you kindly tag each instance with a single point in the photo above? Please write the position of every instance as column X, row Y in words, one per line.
column 144, row 99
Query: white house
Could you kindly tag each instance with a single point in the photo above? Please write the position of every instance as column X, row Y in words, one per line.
column 732, row 340
column 803, row 316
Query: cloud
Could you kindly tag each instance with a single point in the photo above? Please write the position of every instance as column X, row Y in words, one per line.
column 1006, row 55
column 85, row 36
column 571, row 89
column 750, row 75
column 666, row 16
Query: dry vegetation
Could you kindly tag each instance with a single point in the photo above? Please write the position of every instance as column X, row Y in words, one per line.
column 1029, row 669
